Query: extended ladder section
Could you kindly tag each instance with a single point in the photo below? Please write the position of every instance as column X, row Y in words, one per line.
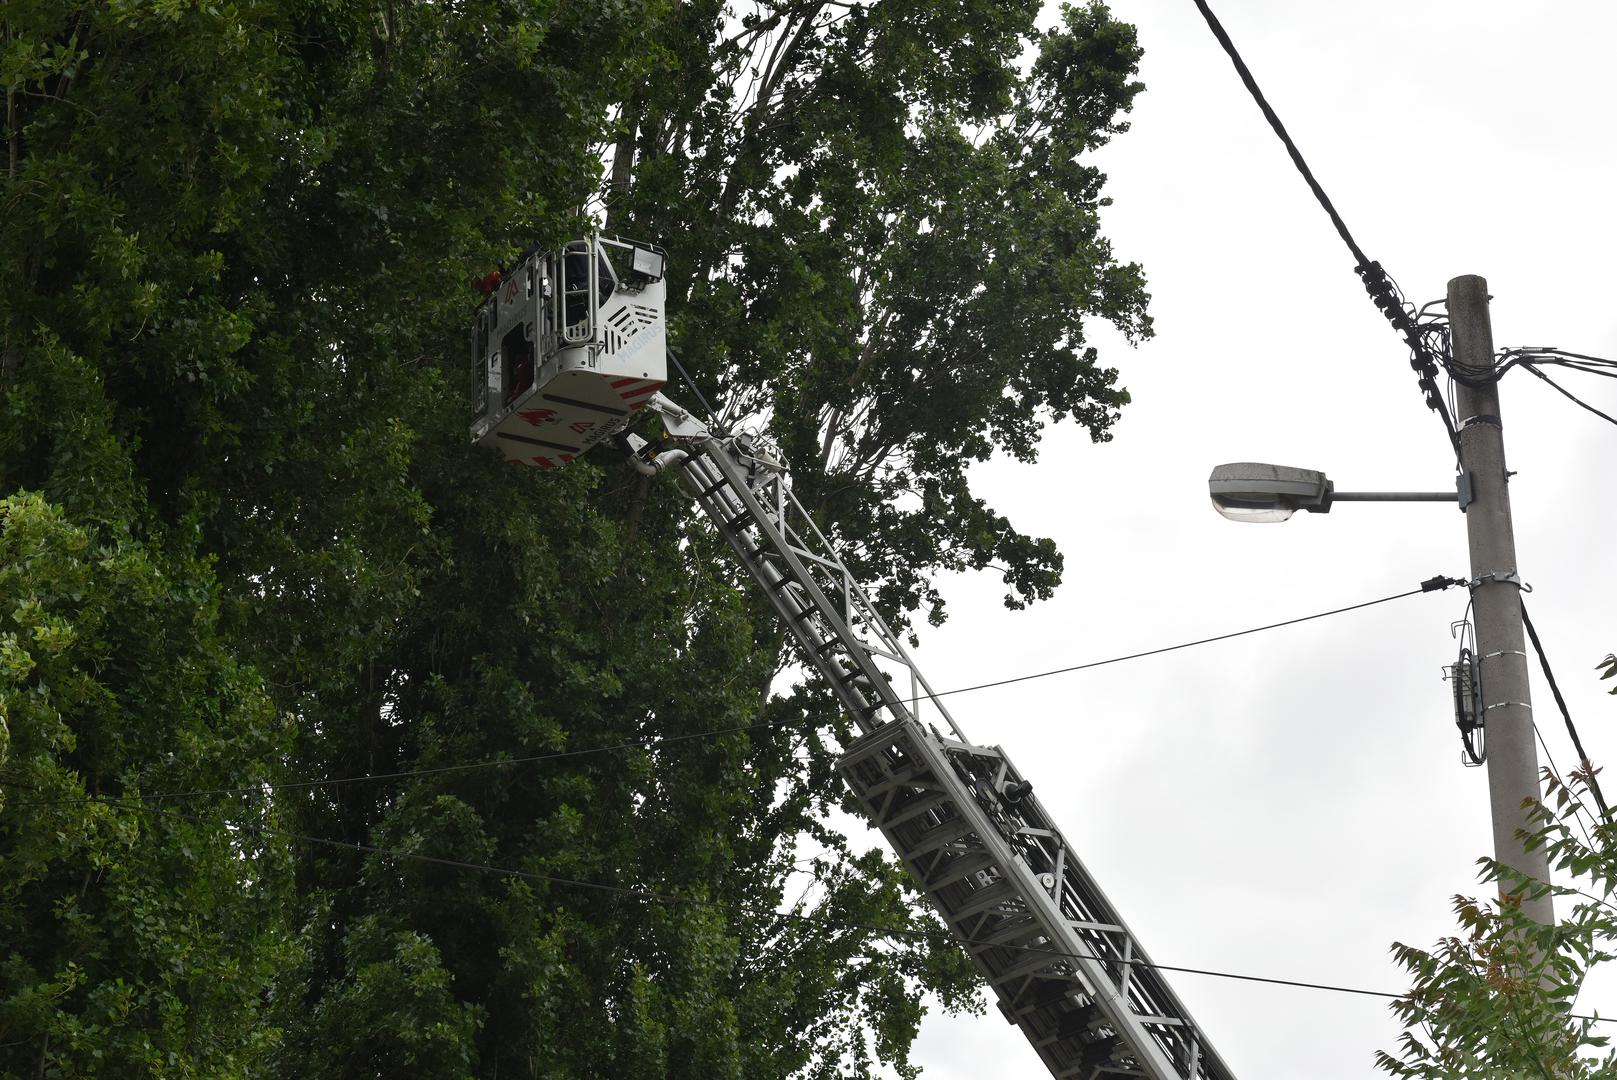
column 967, row 827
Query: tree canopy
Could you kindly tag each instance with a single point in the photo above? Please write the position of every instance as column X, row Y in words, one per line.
column 332, row 747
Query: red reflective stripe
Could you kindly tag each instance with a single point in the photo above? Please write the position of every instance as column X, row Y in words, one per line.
column 545, row 462
column 642, row 392
column 616, row 383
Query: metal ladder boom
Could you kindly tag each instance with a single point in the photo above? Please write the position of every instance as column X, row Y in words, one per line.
column 1061, row 961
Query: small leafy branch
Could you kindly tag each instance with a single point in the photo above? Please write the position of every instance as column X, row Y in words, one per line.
column 1498, row 1000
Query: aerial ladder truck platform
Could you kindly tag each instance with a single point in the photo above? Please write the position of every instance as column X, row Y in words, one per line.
column 568, row 350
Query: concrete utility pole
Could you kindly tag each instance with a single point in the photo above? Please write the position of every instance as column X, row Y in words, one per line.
column 1496, row 598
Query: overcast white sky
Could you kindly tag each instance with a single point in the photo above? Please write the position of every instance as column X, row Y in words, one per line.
column 1291, row 803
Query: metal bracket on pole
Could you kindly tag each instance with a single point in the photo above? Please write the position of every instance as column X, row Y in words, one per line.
column 1501, row 577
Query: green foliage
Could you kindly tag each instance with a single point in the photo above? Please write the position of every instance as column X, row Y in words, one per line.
column 247, row 550
column 1499, row 1000
column 887, row 242
column 135, row 942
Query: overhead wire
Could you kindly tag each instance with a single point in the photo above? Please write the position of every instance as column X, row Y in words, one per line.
column 1534, row 359
column 1532, row 355
column 1251, row 83
column 1430, row 585
column 1580, row 813
column 1383, row 290
column 1588, row 770
column 690, row 383
column 650, row 896
column 1569, row 395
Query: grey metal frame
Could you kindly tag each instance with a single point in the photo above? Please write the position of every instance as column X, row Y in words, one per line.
column 1064, row 966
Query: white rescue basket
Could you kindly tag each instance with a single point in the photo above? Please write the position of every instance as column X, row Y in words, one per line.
column 568, row 346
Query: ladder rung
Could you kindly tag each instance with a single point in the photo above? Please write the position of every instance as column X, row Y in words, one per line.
column 960, row 868
column 940, row 836
column 1014, row 928
column 1080, row 1021
column 982, row 900
column 1047, row 992
column 906, row 774
column 914, row 808
column 1033, row 962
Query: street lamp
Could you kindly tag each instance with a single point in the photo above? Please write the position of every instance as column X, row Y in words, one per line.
column 1255, row 491
column 1250, row 491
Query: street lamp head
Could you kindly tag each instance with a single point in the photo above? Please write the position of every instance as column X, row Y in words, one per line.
column 1255, row 491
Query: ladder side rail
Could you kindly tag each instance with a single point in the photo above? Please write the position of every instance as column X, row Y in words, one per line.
column 1153, row 993
column 771, row 582
column 1083, row 901
column 864, row 611
column 1057, row 945
column 816, row 604
column 803, row 577
column 806, row 539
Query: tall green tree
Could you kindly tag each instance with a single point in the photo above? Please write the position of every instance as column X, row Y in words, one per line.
column 136, row 942
column 260, row 560
column 886, row 242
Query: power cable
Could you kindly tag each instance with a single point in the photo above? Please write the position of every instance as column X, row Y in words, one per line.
column 1383, row 290
column 691, row 384
column 650, row 896
column 1555, row 689
column 1530, row 357
column 1359, row 257
column 437, row 770
column 1564, row 392
column 1430, row 585
column 1580, row 813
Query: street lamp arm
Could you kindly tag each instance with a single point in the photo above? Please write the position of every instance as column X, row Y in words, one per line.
column 1394, row 496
